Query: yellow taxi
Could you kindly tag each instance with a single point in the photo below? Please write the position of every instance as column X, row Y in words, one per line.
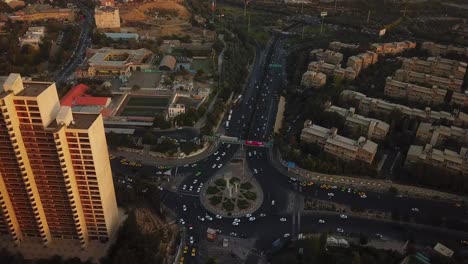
column 185, row 249
column 182, row 260
column 193, row 252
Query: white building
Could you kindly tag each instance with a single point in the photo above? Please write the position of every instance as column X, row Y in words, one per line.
column 33, row 36
column 175, row 110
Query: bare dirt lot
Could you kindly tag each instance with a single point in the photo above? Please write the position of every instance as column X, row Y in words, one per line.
column 137, row 13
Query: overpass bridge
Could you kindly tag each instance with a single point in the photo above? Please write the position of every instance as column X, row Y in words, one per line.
column 233, row 140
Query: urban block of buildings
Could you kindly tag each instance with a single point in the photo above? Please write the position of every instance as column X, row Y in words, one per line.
column 436, row 66
column 367, row 105
column 413, row 92
column 81, row 102
column 362, row 61
column 55, row 177
column 115, row 62
column 337, row 46
column 107, row 17
column 36, row 12
column 447, row 159
column 313, row 79
column 33, row 36
column 327, row 56
column 392, row 48
column 450, row 83
column 438, row 135
column 333, row 70
column 336, row 145
column 358, row 124
column 435, row 49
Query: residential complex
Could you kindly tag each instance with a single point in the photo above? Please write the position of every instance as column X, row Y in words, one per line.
column 436, row 66
column 438, row 49
column 107, row 17
column 332, row 70
column 412, row 92
column 337, row 46
column 33, row 36
column 55, row 176
column 342, row 147
column 358, row 124
column 436, row 135
column 313, row 79
column 392, row 48
column 451, row 83
column 448, row 159
column 362, row 60
column 327, row 56
column 115, row 62
column 367, row 105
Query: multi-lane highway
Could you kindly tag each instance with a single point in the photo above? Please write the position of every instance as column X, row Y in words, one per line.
column 253, row 119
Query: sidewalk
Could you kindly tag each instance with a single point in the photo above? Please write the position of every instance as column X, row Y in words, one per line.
column 360, row 183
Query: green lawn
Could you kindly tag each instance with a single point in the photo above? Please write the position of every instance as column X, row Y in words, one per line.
column 205, row 65
column 148, row 101
column 129, row 111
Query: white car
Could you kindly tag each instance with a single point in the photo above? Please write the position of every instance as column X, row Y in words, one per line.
column 228, row 146
column 184, row 187
column 223, row 154
column 201, row 218
column 262, row 215
column 363, row 196
column 198, row 190
column 218, row 158
column 252, row 218
column 216, row 153
column 255, row 170
column 186, row 165
column 209, row 217
column 194, row 165
column 219, row 166
column 184, row 208
column 237, row 220
column 415, row 209
column 286, row 235
column 248, row 215
column 218, row 217
column 191, row 240
column 282, row 219
column 235, row 223
column 343, row 216
column 272, row 202
column 214, row 166
column 340, row 230
column 195, row 181
column 181, row 221
column 250, row 154
column 331, row 194
column 234, row 234
column 321, row 221
column 190, row 188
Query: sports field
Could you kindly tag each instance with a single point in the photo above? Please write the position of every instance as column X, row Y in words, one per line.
column 151, row 112
column 148, row 101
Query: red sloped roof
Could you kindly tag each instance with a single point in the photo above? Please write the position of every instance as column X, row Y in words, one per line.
column 90, row 100
column 75, row 92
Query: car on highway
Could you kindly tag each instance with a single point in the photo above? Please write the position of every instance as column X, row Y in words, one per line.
column 340, row 230
column 272, row 202
column 194, row 252
column 201, row 218
column 214, row 166
column 321, row 221
column 191, row 240
column 184, row 208
column 235, row 223
column 190, row 188
column 218, row 217
column 236, row 220
column 190, row 226
column 218, row 158
column 198, row 189
column 194, row 165
column 248, row 215
column 331, row 194
column 182, row 259
column 216, row 153
column 185, row 249
column 414, row 209
column 184, row 187
column 282, row 219
column 223, row 154
column 262, row 215
column 208, row 217
column 181, row 221
column 252, row 218
column 286, row 235
column 343, row 216
column 219, row 166
column 255, row 171
column 234, row 234
column 195, row 181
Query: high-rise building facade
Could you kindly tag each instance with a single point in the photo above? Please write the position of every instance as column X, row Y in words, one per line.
column 55, row 175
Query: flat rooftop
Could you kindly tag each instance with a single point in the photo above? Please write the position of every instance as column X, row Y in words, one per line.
column 83, row 121
column 33, row 89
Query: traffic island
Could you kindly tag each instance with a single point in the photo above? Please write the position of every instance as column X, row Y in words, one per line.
column 231, row 196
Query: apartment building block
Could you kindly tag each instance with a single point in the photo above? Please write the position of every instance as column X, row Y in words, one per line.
column 436, row 66
column 332, row 70
column 437, row 135
column 327, row 56
column 412, row 92
column 313, row 79
column 460, row 99
column 435, row 49
column 360, row 125
column 33, row 36
column 107, row 17
column 392, row 48
column 55, row 176
column 336, row 145
column 367, row 105
column 449, row 83
column 362, row 60
column 448, row 159
column 337, row 46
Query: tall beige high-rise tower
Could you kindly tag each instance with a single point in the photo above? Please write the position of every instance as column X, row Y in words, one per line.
column 55, row 175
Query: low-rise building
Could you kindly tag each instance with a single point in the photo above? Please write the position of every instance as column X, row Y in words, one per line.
column 332, row 70
column 450, row 83
column 412, row 92
column 368, row 105
column 460, row 99
column 362, row 60
column 33, row 36
column 328, row 56
column 392, row 48
column 437, row 135
column 360, row 125
column 448, row 159
column 313, row 79
column 337, row 46
column 115, row 62
column 107, row 17
column 436, row 66
column 175, row 109
column 342, row 147
column 435, row 49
